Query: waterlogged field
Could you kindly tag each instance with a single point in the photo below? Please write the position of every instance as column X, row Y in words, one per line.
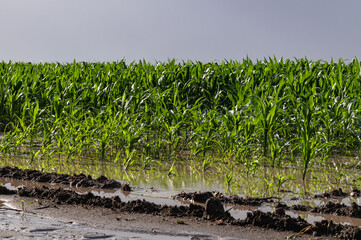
column 272, row 127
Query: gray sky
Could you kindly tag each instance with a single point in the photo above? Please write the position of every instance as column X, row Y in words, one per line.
column 155, row 30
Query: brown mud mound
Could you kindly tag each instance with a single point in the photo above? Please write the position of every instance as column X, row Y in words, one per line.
column 340, row 231
column 80, row 180
column 277, row 220
column 214, row 209
column 202, row 197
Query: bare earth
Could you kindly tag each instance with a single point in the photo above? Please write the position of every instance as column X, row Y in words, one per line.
column 77, row 222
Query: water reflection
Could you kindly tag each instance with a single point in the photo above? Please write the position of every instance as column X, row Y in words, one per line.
column 155, row 182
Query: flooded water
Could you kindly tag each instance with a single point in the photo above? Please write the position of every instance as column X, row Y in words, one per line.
column 156, row 185
column 188, row 176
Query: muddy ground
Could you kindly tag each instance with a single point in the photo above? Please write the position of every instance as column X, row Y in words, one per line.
column 207, row 220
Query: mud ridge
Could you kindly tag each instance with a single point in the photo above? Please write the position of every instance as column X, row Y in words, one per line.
column 78, row 181
column 330, row 207
column 213, row 207
column 213, row 210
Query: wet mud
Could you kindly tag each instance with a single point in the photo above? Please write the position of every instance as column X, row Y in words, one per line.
column 78, row 181
column 211, row 207
column 213, row 210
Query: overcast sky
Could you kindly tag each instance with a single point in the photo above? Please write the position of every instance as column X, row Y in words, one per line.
column 155, row 30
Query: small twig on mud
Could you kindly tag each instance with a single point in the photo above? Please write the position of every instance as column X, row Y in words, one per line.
column 229, row 209
column 38, row 208
column 303, row 231
column 11, row 209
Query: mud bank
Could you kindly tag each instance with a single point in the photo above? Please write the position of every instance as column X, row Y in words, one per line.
column 80, row 180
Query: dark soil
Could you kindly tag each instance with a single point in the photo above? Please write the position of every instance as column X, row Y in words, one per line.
column 280, row 221
column 213, row 211
column 78, row 181
column 330, row 207
column 5, row 191
column 202, row 197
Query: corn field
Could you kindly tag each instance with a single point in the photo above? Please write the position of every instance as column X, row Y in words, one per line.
column 271, row 112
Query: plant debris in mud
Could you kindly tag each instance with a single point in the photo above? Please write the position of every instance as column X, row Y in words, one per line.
column 202, row 197
column 80, row 180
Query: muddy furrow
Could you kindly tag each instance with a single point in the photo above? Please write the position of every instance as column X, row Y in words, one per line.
column 202, row 197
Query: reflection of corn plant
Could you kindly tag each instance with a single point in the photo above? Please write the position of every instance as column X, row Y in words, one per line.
column 228, row 179
column 251, row 166
column 340, row 173
column 281, row 179
column 171, row 171
column 268, row 185
column 206, row 164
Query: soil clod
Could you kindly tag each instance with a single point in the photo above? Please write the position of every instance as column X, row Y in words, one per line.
column 214, row 208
